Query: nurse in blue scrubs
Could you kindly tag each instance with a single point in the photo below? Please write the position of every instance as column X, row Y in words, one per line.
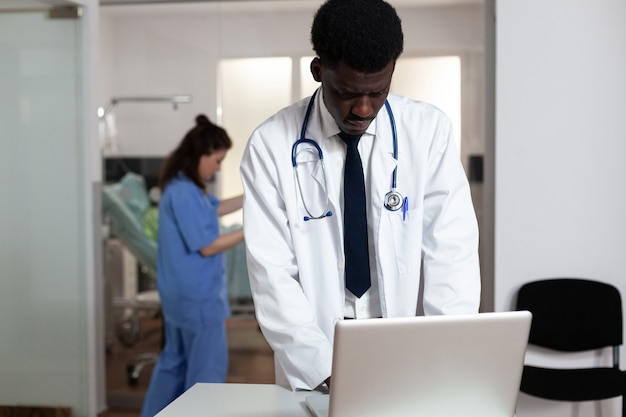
column 191, row 276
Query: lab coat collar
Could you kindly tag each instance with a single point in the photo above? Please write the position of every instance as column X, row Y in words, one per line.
column 383, row 161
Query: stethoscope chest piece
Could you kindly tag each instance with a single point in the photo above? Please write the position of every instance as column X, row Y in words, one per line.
column 393, row 200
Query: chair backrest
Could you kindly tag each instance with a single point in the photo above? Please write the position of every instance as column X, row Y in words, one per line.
column 572, row 314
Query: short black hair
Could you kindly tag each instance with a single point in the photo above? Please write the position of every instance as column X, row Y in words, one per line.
column 364, row 34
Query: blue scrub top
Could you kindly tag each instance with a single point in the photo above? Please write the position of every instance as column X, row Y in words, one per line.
column 192, row 287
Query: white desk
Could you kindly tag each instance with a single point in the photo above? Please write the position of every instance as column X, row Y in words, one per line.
column 238, row 400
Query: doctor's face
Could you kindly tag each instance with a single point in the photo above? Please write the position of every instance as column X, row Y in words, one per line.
column 353, row 98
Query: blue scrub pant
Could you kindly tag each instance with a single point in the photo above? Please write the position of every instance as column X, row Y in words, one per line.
column 188, row 357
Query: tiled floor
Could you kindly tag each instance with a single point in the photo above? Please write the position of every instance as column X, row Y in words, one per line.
column 251, row 361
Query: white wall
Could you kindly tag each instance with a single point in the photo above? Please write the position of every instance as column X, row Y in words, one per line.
column 174, row 48
column 560, row 199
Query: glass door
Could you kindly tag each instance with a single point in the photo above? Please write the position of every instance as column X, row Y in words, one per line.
column 44, row 359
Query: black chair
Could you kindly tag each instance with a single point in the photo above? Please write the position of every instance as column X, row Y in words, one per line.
column 574, row 315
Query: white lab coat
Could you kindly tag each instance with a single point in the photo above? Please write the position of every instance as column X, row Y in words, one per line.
column 296, row 267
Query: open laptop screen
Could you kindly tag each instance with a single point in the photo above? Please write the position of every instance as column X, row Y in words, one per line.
column 465, row 365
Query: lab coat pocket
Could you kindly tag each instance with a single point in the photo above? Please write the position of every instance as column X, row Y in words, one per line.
column 406, row 237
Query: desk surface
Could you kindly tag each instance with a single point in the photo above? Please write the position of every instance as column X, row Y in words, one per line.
column 239, row 400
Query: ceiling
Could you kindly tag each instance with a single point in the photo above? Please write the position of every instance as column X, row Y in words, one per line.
column 30, row 4
column 8, row 5
column 394, row 2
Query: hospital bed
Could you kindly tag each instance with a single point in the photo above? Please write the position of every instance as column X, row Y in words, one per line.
column 124, row 204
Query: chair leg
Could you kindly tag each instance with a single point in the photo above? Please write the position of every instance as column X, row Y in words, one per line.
column 624, row 398
column 624, row 395
column 133, row 369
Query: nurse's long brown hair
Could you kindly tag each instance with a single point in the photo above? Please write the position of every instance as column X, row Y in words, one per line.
column 203, row 139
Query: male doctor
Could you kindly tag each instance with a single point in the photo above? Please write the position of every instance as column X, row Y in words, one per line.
column 416, row 212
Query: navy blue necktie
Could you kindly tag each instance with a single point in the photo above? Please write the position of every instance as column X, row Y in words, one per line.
column 355, row 220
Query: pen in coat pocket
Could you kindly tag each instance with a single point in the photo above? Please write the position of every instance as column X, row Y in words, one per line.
column 405, row 207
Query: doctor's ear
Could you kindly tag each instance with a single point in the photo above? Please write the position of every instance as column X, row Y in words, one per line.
column 316, row 69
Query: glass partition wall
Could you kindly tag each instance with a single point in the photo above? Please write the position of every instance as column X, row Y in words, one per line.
column 240, row 62
column 188, row 48
column 44, row 354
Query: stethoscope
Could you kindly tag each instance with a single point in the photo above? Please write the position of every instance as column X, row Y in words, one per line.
column 393, row 199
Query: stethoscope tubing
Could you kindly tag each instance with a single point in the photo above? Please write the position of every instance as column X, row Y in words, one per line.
column 394, row 135
column 393, row 199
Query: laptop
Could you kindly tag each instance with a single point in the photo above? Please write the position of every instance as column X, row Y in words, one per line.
column 433, row 366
